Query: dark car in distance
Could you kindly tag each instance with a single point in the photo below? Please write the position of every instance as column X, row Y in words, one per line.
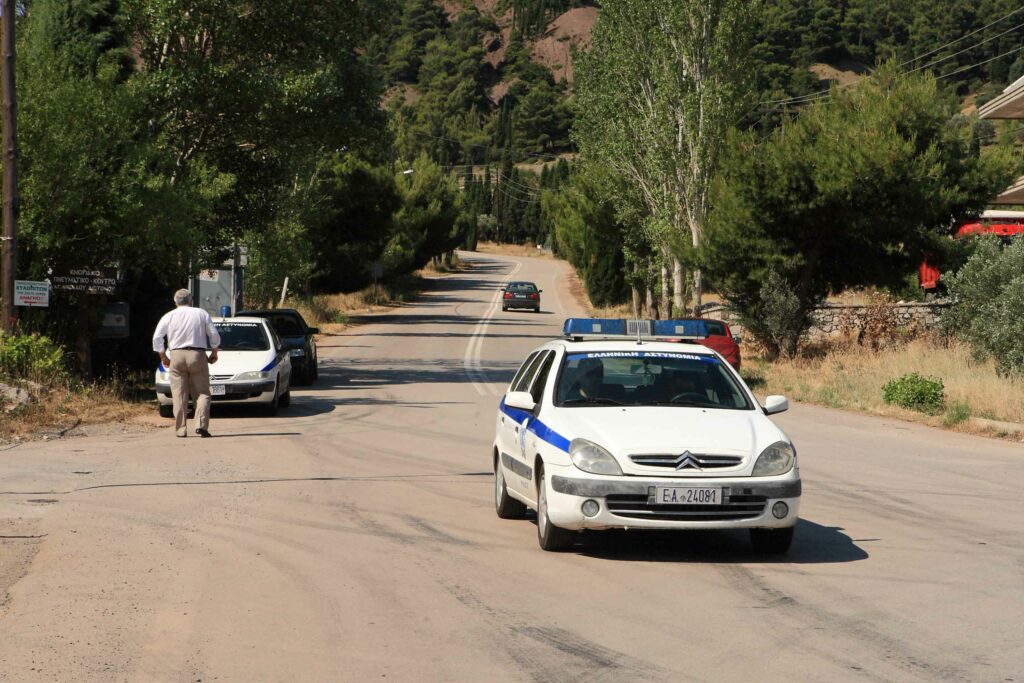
column 297, row 337
column 521, row 295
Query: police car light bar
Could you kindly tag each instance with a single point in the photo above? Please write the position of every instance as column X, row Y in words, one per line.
column 616, row 328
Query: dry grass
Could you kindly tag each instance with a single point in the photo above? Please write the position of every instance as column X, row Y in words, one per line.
column 60, row 407
column 851, row 377
column 528, row 249
column 332, row 312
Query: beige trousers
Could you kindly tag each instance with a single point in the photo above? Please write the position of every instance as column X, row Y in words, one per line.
column 190, row 374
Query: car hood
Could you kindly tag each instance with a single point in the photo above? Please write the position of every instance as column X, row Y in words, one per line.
column 233, row 362
column 670, row 429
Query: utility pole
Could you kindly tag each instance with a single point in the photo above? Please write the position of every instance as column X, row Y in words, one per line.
column 9, row 121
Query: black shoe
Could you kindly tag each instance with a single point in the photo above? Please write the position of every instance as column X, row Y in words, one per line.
column 203, row 433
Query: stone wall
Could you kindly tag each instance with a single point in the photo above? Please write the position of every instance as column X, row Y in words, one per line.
column 833, row 319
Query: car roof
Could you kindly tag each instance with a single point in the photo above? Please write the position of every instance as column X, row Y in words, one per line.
column 240, row 319
column 268, row 311
column 522, row 282
column 602, row 345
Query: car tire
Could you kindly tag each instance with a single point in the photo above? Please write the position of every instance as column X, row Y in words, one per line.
column 286, row 398
column 166, row 410
column 316, row 369
column 504, row 309
column 549, row 536
column 505, row 505
column 771, row 541
column 271, row 408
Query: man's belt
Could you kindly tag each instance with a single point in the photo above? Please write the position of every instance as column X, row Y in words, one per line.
column 188, row 348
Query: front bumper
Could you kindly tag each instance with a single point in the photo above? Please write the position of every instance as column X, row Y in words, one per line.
column 628, row 502
column 239, row 392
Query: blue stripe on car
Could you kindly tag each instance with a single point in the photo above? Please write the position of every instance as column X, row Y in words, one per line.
column 271, row 364
column 542, row 431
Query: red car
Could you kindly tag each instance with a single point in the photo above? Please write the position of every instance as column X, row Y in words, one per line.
column 720, row 339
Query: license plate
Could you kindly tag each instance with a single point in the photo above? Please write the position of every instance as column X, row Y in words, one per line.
column 217, row 389
column 520, row 296
column 687, row 495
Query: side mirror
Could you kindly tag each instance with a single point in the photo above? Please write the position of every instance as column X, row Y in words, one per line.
column 738, row 340
column 312, row 330
column 775, row 404
column 520, row 399
column 539, row 291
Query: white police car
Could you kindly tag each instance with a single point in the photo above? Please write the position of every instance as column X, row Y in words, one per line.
column 604, row 429
column 252, row 367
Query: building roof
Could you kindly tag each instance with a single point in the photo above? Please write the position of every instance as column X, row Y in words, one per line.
column 1012, row 195
column 1008, row 105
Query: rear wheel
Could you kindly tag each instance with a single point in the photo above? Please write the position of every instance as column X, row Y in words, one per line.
column 506, row 506
column 166, row 410
column 549, row 536
column 771, row 541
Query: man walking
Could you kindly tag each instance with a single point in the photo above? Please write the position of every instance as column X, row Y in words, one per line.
column 189, row 332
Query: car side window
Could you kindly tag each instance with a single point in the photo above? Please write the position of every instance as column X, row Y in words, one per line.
column 274, row 338
column 537, row 389
column 522, row 370
column 524, row 382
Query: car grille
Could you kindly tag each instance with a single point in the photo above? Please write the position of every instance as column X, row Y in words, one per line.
column 687, row 460
column 638, row 506
column 220, row 378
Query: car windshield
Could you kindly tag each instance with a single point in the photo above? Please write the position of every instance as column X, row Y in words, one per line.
column 522, row 287
column 242, row 336
column 646, row 378
column 287, row 325
column 715, row 327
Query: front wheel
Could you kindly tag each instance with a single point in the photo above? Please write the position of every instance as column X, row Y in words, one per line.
column 549, row 536
column 271, row 408
column 771, row 541
column 505, row 505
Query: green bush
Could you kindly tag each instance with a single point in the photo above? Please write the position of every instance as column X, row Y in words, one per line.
column 30, row 356
column 957, row 413
column 988, row 308
column 923, row 394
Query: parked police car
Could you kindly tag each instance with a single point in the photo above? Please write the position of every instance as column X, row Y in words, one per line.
column 604, row 429
column 252, row 367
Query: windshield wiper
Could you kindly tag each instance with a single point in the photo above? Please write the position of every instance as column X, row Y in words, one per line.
column 684, row 404
column 591, row 401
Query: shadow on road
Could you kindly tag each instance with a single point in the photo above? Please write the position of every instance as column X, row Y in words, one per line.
column 812, row 544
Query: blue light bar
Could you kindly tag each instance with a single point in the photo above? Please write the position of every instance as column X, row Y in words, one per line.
column 591, row 326
column 616, row 327
column 693, row 329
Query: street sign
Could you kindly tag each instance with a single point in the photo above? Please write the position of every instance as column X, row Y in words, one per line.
column 88, row 280
column 115, row 321
column 31, row 293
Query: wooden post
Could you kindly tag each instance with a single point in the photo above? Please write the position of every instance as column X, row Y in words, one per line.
column 8, row 118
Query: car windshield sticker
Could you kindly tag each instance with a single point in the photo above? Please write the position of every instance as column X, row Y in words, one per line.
column 219, row 325
column 643, row 354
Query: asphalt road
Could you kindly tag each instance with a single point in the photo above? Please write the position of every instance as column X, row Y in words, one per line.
column 354, row 538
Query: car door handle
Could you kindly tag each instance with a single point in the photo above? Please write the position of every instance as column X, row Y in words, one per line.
column 503, row 420
column 517, row 429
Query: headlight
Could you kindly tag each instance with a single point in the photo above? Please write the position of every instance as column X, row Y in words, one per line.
column 590, row 457
column 297, row 352
column 776, row 459
column 252, row 375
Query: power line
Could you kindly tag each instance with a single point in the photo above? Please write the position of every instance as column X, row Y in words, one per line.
column 967, row 49
column 824, row 94
column 971, row 66
column 968, row 35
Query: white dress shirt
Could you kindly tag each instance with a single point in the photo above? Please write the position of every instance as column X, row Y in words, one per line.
column 186, row 326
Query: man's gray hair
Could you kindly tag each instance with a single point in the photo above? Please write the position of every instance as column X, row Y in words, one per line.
column 183, row 297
